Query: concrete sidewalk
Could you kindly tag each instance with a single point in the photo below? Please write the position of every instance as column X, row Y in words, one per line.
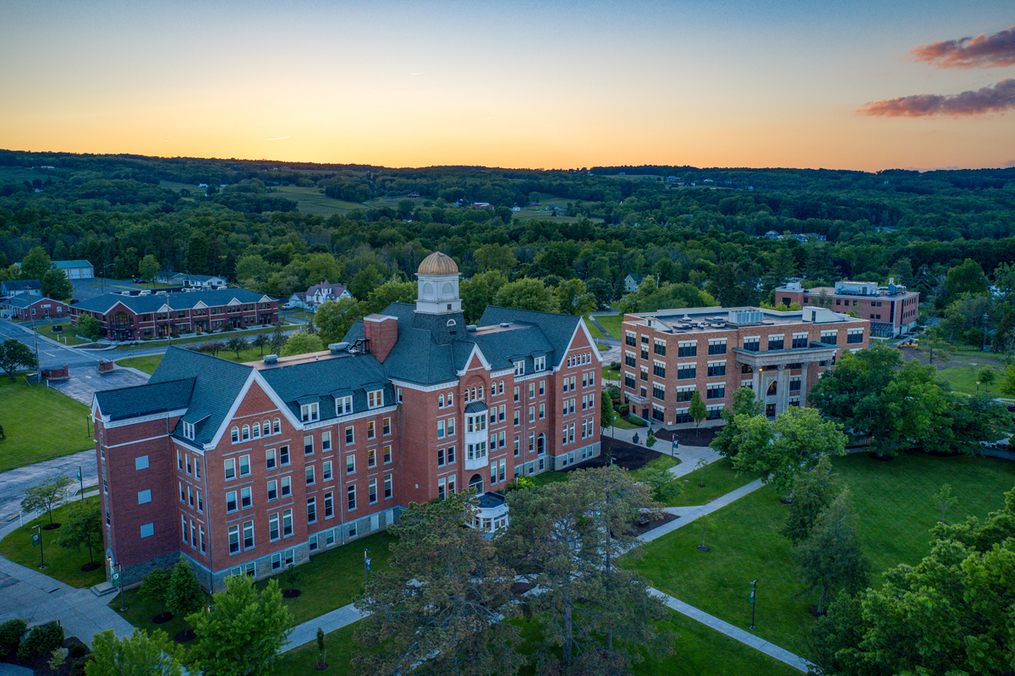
column 689, row 456
column 329, row 622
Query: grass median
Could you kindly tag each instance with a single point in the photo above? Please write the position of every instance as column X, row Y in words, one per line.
column 39, row 424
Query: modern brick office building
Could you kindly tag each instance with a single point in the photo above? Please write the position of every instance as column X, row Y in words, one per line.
column 669, row 354
column 146, row 315
column 891, row 310
column 246, row 468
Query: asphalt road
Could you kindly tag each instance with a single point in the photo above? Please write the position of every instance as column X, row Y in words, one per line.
column 51, row 353
column 14, row 482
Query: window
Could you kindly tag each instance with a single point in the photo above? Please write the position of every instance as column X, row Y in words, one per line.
column 234, row 539
column 371, row 429
column 775, row 342
column 542, row 411
column 310, row 412
column 287, row 523
column 440, row 401
column 441, row 433
column 799, row 340
column 283, row 455
column 312, row 509
column 272, row 490
column 441, row 489
column 854, row 336
column 629, row 338
column 829, row 337
column 350, row 436
column 200, row 502
column 269, row 459
column 385, row 426
column 629, row 359
column 248, row 534
column 267, row 428
column 147, row 530
column 234, row 435
column 273, row 531
column 230, row 465
column 144, row 496
column 141, row 462
column 716, row 391
column 190, row 495
column 629, row 380
column 532, row 413
column 327, row 470
column 372, row 491
column 717, row 346
column 451, row 454
column 659, row 369
column 659, row 347
column 517, row 395
column 246, row 498
column 371, row 457
column 197, row 467
column 325, row 442
column 375, row 398
column 440, row 457
column 687, row 348
column 350, row 464
column 502, row 413
column 519, row 368
column 244, row 465
column 231, row 501
column 451, row 427
column 644, row 373
column 343, row 405
column 351, row 497
column 309, row 471
column 658, row 392
column 686, row 371
column 752, row 343
column 200, row 530
column 329, row 505
column 539, row 364
column 287, row 486
column 246, row 432
column 256, row 429
column 387, row 454
column 276, row 426
column 388, row 491
column 532, row 390
column 716, row 368
column 518, row 417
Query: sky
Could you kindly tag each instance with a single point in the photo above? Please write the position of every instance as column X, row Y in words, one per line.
column 859, row 84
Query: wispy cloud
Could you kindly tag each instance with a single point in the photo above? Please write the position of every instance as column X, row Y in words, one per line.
column 994, row 99
column 983, row 51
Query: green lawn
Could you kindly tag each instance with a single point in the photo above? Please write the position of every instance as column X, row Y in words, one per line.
column 593, row 329
column 339, row 648
column 719, row 478
column 40, row 424
column 314, row 201
column 963, row 379
column 206, row 338
column 62, row 564
column 620, row 423
column 612, row 324
column 149, row 363
column 334, row 578
column 610, row 374
column 895, row 505
column 68, row 335
column 140, row 613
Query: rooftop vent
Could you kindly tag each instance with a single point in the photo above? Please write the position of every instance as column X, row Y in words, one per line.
column 271, row 359
column 745, row 316
column 686, row 318
column 338, row 347
column 472, row 327
column 504, row 325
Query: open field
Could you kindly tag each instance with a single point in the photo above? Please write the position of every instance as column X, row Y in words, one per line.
column 68, row 335
column 313, row 201
column 963, row 379
column 62, row 564
column 894, row 501
column 339, row 648
column 39, row 424
column 612, row 324
column 719, row 478
column 148, row 363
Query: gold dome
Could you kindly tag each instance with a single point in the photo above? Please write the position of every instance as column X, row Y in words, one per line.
column 437, row 263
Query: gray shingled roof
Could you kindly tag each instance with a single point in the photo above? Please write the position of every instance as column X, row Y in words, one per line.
column 131, row 402
column 557, row 328
column 325, row 380
column 175, row 301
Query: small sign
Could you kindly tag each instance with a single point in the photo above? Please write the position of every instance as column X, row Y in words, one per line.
column 368, row 564
column 79, row 475
column 116, row 579
column 36, row 539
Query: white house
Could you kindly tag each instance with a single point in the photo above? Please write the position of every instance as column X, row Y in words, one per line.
column 323, row 292
column 633, row 281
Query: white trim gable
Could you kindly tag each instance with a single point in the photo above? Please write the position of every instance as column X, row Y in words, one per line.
column 483, row 363
column 266, row 299
column 570, row 344
column 164, row 308
column 254, row 376
column 234, row 302
column 199, row 305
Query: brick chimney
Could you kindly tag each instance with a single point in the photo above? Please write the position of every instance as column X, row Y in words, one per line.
column 382, row 333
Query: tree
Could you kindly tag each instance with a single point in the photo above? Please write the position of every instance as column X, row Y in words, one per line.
column 148, row 268
column 936, row 345
column 664, row 484
column 797, row 439
column 832, row 557
column 301, row 343
column 697, row 411
column 966, row 278
column 986, row 377
column 574, row 297
column 55, row 285
column 442, row 601
column 236, row 344
column 155, row 588
column 607, row 415
column 46, row 495
column 259, row 341
column 15, row 354
column 139, row 655
column 368, row 279
column 184, row 595
column 83, row 530
column 495, row 257
column 813, row 491
column 35, row 264
column 1007, row 387
column 745, row 406
column 278, row 339
column 479, row 292
column 528, row 293
column 244, row 630
column 197, row 252
column 89, row 327
column 851, row 393
column 570, row 535
column 335, row 317
column 944, row 500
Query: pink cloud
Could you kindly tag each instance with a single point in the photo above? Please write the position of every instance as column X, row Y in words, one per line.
column 983, row 51
column 996, row 99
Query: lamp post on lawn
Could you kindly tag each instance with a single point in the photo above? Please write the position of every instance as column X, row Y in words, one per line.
column 754, row 592
column 366, row 565
column 37, row 542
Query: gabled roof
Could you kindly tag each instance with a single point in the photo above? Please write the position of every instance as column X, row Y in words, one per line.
column 71, row 264
column 336, row 289
column 323, row 381
column 22, row 284
column 23, row 301
column 133, row 402
column 637, row 277
column 175, row 301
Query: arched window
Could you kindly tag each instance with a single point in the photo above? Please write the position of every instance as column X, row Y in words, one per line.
column 451, row 398
column 541, row 444
column 267, row 428
column 452, row 322
column 480, row 392
column 256, row 430
column 246, row 432
column 466, row 395
column 235, row 433
column 440, row 401
column 773, row 388
column 476, row 482
column 277, row 426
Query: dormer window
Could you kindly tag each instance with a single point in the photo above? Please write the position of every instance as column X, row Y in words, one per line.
column 452, row 322
column 188, row 430
column 310, row 412
column 375, row 398
column 343, row 405
column 539, row 364
column 520, row 368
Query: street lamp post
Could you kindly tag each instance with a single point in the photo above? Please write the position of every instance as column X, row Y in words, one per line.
column 366, row 565
column 754, row 593
column 37, row 542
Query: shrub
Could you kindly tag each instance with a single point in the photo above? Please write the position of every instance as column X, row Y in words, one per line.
column 41, row 640
column 78, row 667
column 635, row 420
column 11, row 632
column 78, row 650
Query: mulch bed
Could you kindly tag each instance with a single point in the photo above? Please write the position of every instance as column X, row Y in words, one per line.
column 702, row 437
column 641, row 529
column 40, row 665
column 624, row 454
column 290, row 593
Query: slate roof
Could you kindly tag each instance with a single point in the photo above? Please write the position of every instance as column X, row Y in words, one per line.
column 175, row 301
column 132, row 402
column 63, row 265
column 23, row 301
column 22, row 285
column 557, row 328
column 217, row 384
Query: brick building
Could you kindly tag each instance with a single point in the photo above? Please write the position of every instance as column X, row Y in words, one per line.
column 669, row 354
column 132, row 317
column 891, row 310
column 246, row 468
column 27, row 307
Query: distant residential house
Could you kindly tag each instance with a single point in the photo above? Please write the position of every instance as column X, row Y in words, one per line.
column 191, row 281
column 297, row 300
column 323, row 292
column 16, row 287
column 79, row 269
column 633, row 281
column 169, row 277
column 26, row 306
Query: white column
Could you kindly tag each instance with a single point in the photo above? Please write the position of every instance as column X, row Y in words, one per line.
column 803, row 384
column 782, row 390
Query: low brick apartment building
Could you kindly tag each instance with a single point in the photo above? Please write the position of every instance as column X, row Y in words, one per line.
column 247, row 468
column 891, row 310
column 132, row 317
column 670, row 354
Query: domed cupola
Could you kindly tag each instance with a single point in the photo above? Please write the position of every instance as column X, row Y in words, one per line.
column 437, row 278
